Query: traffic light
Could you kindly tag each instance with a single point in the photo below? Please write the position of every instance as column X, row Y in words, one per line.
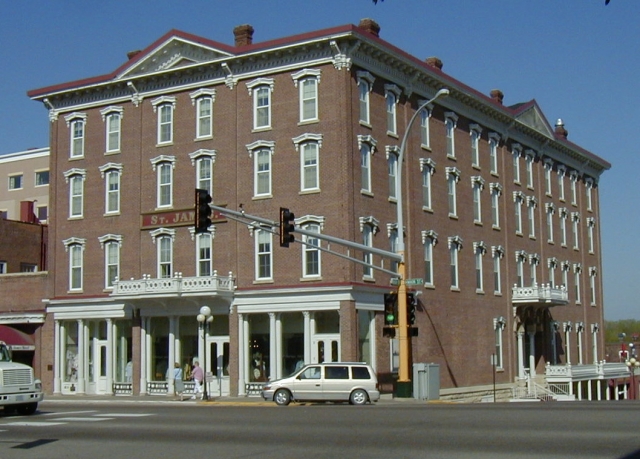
column 390, row 309
column 412, row 302
column 203, row 211
column 287, row 227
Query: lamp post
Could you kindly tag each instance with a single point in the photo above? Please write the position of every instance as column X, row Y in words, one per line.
column 632, row 364
column 204, row 319
column 404, row 381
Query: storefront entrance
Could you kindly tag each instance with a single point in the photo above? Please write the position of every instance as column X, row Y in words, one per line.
column 218, row 365
column 325, row 348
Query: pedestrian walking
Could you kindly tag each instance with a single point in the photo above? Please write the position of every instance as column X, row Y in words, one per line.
column 197, row 373
column 178, row 380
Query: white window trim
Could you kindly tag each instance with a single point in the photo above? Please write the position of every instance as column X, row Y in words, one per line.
column 479, row 250
column 369, row 227
column 392, row 111
column 451, row 122
column 105, row 171
column 255, row 231
column 106, row 113
column 304, row 222
column 427, row 169
column 429, row 241
column 163, row 160
column 477, row 185
column 454, row 244
column 69, row 245
column 105, row 241
column 69, row 177
column 158, row 103
column 253, row 147
column 300, row 77
column 497, row 253
column 475, row 132
column 453, row 177
column 496, row 192
column 71, row 119
column 494, row 143
column 393, row 153
column 371, row 143
column 303, row 140
column 258, row 83
column 368, row 79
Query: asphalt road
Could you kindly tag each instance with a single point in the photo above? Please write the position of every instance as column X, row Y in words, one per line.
column 70, row 429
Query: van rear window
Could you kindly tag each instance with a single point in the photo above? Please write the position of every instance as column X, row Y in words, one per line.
column 336, row 373
column 360, row 373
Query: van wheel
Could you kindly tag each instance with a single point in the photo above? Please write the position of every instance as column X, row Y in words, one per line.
column 358, row 397
column 282, row 397
column 27, row 408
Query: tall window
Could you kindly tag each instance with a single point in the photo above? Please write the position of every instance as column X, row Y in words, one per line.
column 561, row 172
column 588, row 193
column 550, row 208
column 450, row 121
column 261, row 151
column 164, row 107
column 516, row 152
column 311, row 253
column 478, row 185
column 392, row 167
column 591, row 223
column 76, row 123
column 499, row 325
column 573, row 178
column 479, row 249
column 534, row 261
column 203, row 100
column 429, row 239
column 368, row 226
column 577, row 270
column 548, row 168
column 111, row 245
column 425, row 116
column 529, row 158
column 365, row 85
column 309, row 147
column 497, row 253
column 475, row 132
column 112, row 191
column 496, row 192
column 521, row 259
column 367, row 146
column 494, row 140
column 565, row 267
column 204, row 254
column 531, row 210
column 163, row 165
column 552, row 264
column 165, row 256
column 392, row 94
column 75, row 178
column 575, row 219
column 518, row 199
column 113, row 124
column 264, row 254
column 75, row 247
column 455, row 244
column 453, row 176
column 309, row 99
column 204, row 169
column 562, row 212
column 427, row 168
column 593, row 272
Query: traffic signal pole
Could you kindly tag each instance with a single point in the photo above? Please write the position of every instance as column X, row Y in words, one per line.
column 403, row 388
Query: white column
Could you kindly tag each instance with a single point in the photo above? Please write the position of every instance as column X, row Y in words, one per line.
column 520, row 337
column 273, row 347
column 83, row 358
column 178, row 343
column 172, row 355
column 143, row 356
column 532, row 353
column 110, row 341
column 307, row 336
column 58, row 352
column 149, row 370
column 242, row 351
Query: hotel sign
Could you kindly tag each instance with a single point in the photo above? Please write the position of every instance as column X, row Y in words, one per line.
column 176, row 218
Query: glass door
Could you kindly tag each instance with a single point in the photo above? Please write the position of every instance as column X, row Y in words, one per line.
column 325, row 348
column 217, row 366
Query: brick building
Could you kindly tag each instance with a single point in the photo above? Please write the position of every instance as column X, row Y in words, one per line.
column 501, row 217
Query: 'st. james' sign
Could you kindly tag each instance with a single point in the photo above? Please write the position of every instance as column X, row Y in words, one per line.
column 176, row 218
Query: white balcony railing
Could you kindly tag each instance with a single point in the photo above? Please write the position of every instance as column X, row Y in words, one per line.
column 173, row 286
column 600, row 370
column 540, row 294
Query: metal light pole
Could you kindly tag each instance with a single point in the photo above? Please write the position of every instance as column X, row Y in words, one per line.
column 204, row 319
column 404, row 381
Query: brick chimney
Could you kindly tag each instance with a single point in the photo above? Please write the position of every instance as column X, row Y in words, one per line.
column 497, row 95
column 243, row 34
column 370, row 26
column 132, row 54
column 434, row 62
column 560, row 130
column 26, row 212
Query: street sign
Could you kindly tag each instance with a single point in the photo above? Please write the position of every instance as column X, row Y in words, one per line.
column 394, row 281
column 414, row 282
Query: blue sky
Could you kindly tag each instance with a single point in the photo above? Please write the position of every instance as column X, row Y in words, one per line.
column 578, row 58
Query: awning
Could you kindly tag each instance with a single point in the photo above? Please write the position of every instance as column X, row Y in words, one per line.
column 15, row 339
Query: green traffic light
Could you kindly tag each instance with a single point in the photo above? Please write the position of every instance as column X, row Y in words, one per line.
column 390, row 318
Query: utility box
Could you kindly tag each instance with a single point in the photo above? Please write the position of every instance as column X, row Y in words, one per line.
column 426, row 381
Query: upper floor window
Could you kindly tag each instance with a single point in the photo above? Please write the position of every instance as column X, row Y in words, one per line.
column 204, row 254
column 111, row 244
column 15, row 182
column 516, row 152
column 369, row 226
column 455, row 245
column 261, row 89
column 479, row 250
column 429, row 240
column 76, row 123
column 550, row 210
column 427, row 168
column 307, row 81
column 496, row 192
column 203, row 160
column 565, row 267
column 573, row 178
column 75, row 179
column 477, row 184
column 562, row 213
column 494, row 141
column 521, row 259
column 392, row 167
column 588, row 193
column 366, row 145
column 425, row 132
column 3, row 267
column 263, row 254
column 534, row 261
column 499, row 325
column 203, row 100
column 450, row 122
column 548, row 167
column 311, row 255
column 261, row 151
column 529, row 162
column 518, row 199
column 365, row 86
column 163, row 238
column 575, row 219
column 42, row 178
column 42, row 212
column 593, row 272
column 532, row 203
column 577, row 271
column 591, row 223
column 112, row 117
column 309, row 147
column 75, row 247
column 112, row 172
column 392, row 95
column 475, row 131
column 497, row 252
column 552, row 264
column 164, row 107
column 163, row 165
column 561, row 172
column 453, row 176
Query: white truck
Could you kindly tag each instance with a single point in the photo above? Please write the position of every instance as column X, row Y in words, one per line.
column 19, row 391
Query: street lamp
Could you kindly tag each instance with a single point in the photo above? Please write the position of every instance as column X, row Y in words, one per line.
column 404, row 381
column 632, row 363
column 204, row 319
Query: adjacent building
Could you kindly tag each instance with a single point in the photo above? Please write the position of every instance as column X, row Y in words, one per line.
column 501, row 218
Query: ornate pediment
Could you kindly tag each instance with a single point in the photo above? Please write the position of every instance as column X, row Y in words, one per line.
column 532, row 116
column 172, row 53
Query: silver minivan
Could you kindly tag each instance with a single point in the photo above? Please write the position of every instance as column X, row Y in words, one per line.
column 353, row 382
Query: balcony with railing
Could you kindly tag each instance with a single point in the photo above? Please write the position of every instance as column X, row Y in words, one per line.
column 176, row 286
column 540, row 295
